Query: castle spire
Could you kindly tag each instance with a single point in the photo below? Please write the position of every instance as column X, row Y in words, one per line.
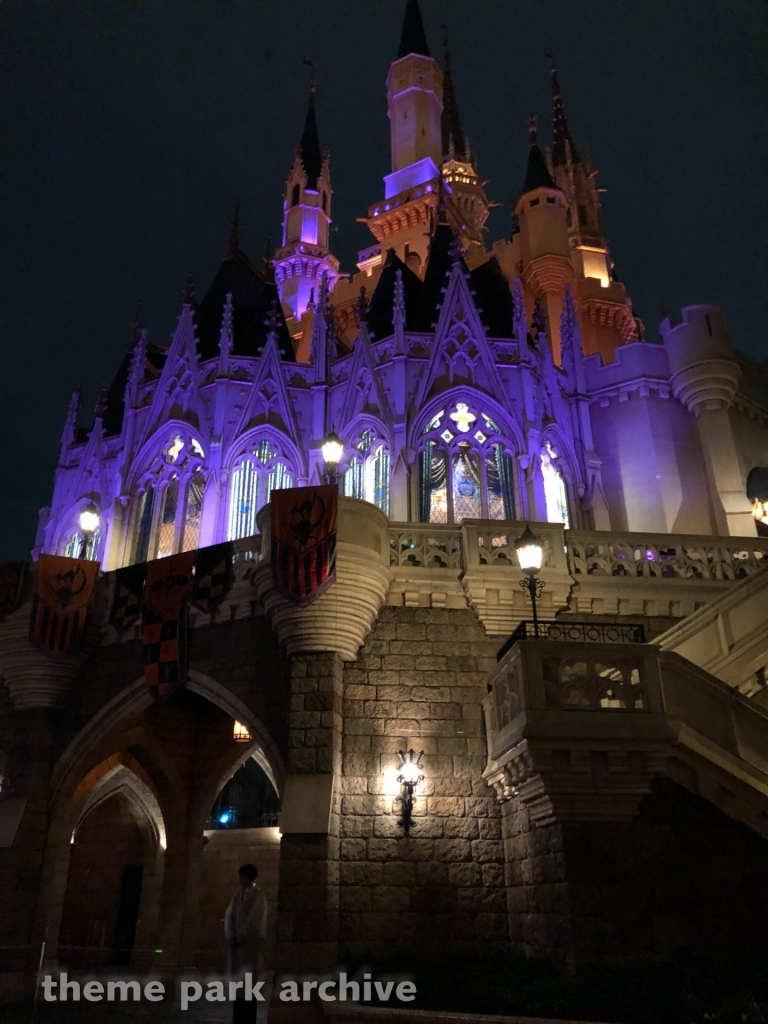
column 454, row 143
column 309, row 146
column 563, row 149
column 69, row 434
column 537, row 174
column 413, row 38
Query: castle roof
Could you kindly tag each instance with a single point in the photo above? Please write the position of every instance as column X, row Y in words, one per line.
column 309, row 146
column 537, row 173
column 450, row 122
column 561, row 132
column 381, row 309
column 413, row 38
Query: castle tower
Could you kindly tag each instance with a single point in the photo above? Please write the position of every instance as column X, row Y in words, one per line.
column 541, row 212
column 607, row 309
column 304, row 256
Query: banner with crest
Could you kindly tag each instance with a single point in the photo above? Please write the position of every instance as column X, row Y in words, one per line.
column 65, row 588
column 304, row 541
column 166, row 593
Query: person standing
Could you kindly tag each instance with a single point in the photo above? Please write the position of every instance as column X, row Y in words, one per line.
column 245, row 926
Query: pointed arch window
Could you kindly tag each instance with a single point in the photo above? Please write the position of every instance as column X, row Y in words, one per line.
column 367, row 476
column 168, row 512
column 466, row 471
column 166, row 532
column 555, row 490
column 263, row 470
column 295, row 196
column 193, row 513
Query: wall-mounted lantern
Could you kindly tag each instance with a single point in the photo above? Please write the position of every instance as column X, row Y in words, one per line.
column 410, row 776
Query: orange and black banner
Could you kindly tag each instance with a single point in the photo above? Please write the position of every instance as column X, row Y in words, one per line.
column 129, row 596
column 65, row 588
column 166, row 592
column 304, row 541
column 213, row 576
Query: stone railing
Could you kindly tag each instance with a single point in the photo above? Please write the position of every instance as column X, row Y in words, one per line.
column 593, row 573
column 664, row 556
column 576, row 733
column 421, row 545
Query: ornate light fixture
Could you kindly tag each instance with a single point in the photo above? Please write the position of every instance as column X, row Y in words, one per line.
column 410, row 776
column 530, row 550
column 89, row 520
column 332, row 449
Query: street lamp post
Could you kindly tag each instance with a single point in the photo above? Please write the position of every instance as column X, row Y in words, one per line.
column 530, row 550
column 89, row 522
column 332, row 449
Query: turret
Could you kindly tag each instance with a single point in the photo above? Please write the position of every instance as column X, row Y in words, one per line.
column 304, row 256
column 544, row 249
column 415, row 101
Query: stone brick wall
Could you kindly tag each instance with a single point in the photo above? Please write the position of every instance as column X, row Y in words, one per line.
column 419, row 682
column 681, row 873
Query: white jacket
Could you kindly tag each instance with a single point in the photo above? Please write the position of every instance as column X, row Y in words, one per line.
column 246, row 921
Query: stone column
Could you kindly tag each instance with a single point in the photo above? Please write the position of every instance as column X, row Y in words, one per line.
column 319, row 638
column 308, row 895
column 26, row 786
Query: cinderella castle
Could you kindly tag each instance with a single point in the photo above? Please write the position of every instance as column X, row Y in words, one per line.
column 579, row 786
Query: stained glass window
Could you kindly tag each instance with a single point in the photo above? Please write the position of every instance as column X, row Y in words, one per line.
column 555, row 492
column 367, row 477
column 481, row 471
column 144, row 529
column 166, row 532
column 466, row 484
column 74, row 546
column 192, row 513
column 253, row 481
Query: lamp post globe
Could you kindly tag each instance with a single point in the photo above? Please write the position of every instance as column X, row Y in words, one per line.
column 89, row 520
column 333, row 450
column 530, row 554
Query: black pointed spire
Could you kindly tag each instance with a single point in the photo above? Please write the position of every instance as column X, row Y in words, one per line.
column 450, row 122
column 561, row 132
column 537, row 174
column 413, row 38
column 309, row 147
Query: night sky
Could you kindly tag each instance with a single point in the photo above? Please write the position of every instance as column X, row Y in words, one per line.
column 129, row 129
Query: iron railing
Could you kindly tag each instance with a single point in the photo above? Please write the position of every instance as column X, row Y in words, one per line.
column 576, row 632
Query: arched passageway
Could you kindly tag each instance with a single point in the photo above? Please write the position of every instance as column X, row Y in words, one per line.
column 102, row 901
column 241, row 829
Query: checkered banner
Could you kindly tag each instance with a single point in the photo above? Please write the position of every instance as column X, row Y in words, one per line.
column 65, row 588
column 213, row 576
column 166, row 592
column 129, row 596
column 304, row 541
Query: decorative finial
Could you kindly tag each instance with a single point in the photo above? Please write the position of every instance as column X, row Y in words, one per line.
column 137, row 326
column 101, row 404
column 226, row 315
column 361, row 307
column 234, row 231
column 456, row 250
column 539, row 318
column 532, row 119
column 188, row 291
column 272, row 319
column 311, row 303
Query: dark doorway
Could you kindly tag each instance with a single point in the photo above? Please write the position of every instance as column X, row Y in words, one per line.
column 127, row 914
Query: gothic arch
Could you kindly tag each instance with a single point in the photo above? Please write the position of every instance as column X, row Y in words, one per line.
column 510, row 429
column 265, row 431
